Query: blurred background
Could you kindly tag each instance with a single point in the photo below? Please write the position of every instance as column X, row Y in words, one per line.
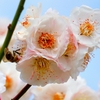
column 64, row 7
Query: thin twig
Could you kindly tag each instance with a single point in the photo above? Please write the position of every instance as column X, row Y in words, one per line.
column 11, row 28
column 20, row 94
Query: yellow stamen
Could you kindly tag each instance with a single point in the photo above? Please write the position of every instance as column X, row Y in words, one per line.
column 71, row 48
column 42, row 68
column 86, row 59
column 25, row 23
column 46, row 40
column 86, row 28
column 9, row 82
column 58, row 96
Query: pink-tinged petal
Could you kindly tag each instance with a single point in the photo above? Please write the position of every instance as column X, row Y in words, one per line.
column 85, row 93
column 34, row 75
column 50, row 11
column 78, row 13
column 52, row 28
column 33, row 11
column 64, row 64
column 67, row 59
column 21, row 32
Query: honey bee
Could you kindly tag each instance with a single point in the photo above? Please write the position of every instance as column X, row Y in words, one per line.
column 12, row 57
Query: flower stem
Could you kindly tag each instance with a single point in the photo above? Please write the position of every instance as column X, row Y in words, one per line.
column 18, row 96
column 11, row 28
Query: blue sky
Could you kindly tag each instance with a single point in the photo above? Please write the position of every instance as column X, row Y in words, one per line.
column 64, row 7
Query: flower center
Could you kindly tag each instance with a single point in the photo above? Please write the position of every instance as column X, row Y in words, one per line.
column 86, row 59
column 9, row 82
column 86, row 28
column 25, row 23
column 46, row 40
column 58, row 96
column 71, row 48
column 42, row 68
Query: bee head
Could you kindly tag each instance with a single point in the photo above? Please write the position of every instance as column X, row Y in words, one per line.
column 9, row 55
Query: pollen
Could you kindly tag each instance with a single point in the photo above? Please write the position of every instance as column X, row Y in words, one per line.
column 86, row 59
column 9, row 82
column 86, row 28
column 42, row 68
column 58, row 96
column 46, row 40
column 71, row 48
column 25, row 23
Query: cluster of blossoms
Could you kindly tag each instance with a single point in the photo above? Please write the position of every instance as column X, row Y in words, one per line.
column 71, row 90
column 52, row 48
column 10, row 84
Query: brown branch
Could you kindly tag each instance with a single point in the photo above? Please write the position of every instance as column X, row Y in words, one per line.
column 20, row 94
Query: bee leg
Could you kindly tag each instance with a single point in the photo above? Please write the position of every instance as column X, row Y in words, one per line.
column 16, row 51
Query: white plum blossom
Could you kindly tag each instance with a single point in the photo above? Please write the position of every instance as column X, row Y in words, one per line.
column 50, row 92
column 71, row 90
column 36, row 69
column 85, row 23
column 73, row 59
column 48, row 34
column 12, row 80
column 21, row 29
